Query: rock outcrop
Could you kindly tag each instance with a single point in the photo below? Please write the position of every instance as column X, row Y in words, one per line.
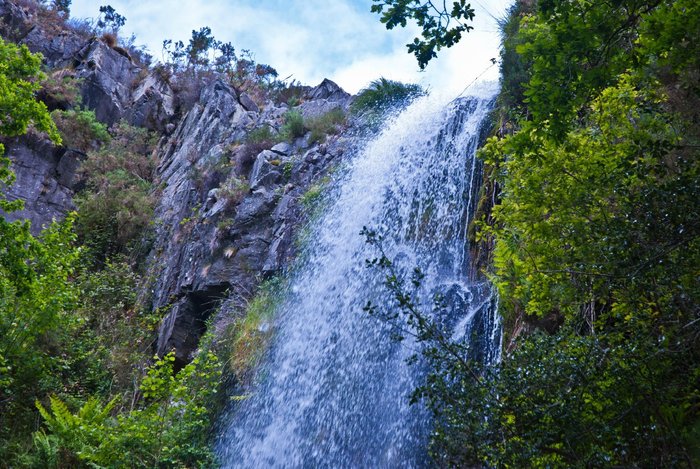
column 110, row 83
column 106, row 80
column 45, row 175
column 224, row 223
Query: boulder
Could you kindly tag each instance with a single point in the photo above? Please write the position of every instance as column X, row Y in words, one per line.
column 248, row 103
column 315, row 109
column 264, row 173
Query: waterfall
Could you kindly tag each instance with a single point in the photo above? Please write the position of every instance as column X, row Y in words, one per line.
column 334, row 389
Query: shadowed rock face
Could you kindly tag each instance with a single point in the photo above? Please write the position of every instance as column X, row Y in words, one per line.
column 106, row 80
column 45, row 176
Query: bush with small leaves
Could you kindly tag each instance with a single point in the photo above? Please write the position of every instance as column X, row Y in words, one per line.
column 80, row 129
column 293, row 126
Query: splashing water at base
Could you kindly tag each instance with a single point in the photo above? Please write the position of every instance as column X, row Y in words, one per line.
column 334, row 390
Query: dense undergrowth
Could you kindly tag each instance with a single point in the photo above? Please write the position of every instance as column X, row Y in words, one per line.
column 75, row 340
column 596, row 235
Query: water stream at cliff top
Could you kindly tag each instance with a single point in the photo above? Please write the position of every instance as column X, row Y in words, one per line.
column 334, row 390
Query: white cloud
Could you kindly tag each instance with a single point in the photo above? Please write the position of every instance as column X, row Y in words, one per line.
column 312, row 39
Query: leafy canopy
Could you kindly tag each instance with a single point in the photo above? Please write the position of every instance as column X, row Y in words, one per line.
column 596, row 230
column 442, row 26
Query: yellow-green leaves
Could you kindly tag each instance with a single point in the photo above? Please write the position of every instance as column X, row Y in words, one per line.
column 20, row 74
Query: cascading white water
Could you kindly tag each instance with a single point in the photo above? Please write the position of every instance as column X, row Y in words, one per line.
column 334, row 389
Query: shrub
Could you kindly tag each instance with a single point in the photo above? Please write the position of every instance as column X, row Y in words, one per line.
column 112, row 314
column 382, row 95
column 80, row 129
column 116, row 208
column 314, row 194
column 233, row 190
column 168, row 428
column 326, row 124
column 246, row 339
column 293, row 126
column 291, row 93
column 262, row 135
column 59, row 90
column 257, row 140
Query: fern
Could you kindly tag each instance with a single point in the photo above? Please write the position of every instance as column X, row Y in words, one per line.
column 47, row 448
column 60, row 420
column 81, row 433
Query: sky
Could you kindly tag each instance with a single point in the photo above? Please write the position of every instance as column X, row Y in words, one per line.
column 309, row 40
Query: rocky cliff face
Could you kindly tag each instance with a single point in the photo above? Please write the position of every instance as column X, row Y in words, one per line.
column 228, row 209
column 110, row 83
column 227, row 218
column 45, row 176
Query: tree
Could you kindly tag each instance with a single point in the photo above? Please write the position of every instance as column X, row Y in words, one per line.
column 597, row 226
column 442, row 27
column 34, row 288
column 63, row 7
column 109, row 19
column 201, row 43
column 19, row 81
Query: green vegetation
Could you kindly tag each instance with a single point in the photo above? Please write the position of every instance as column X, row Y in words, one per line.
column 20, row 79
column 262, row 135
column 34, row 291
column 233, row 190
column 293, row 126
column 80, row 129
column 116, row 207
column 168, row 430
column 609, row 238
column 441, row 26
column 383, row 94
column 381, row 97
column 246, row 339
column 109, row 20
column 313, row 196
column 59, row 90
column 329, row 123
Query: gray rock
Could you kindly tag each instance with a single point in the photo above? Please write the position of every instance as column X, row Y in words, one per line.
column 107, row 78
column 194, row 252
column 282, row 208
column 255, row 208
column 264, row 173
column 20, row 25
column 45, row 177
column 317, row 108
column 152, row 105
column 329, row 91
column 15, row 23
column 282, row 148
column 248, row 103
column 181, row 329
